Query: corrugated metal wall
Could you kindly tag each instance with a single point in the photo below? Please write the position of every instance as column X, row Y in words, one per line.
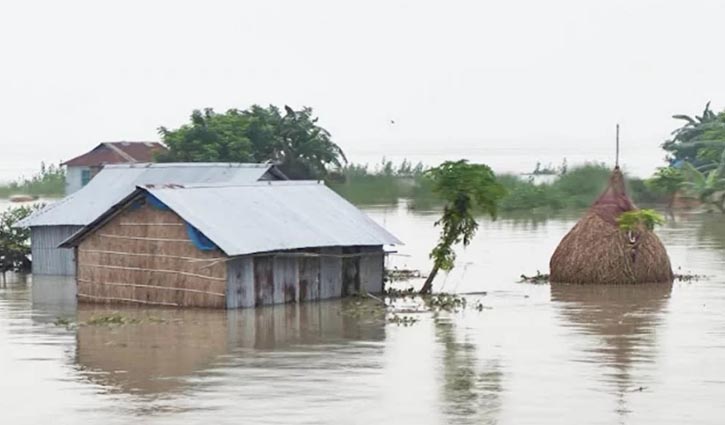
column 263, row 280
column 48, row 259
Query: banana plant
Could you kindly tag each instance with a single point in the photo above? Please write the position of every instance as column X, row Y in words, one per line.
column 708, row 186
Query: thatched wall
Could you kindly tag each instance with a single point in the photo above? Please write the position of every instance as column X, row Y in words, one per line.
column 596, row 251
column 144, row 256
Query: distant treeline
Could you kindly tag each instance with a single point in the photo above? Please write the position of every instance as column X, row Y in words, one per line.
column 577, row 188
column 49, row 181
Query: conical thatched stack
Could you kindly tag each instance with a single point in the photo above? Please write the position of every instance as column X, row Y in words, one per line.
column 597, row 251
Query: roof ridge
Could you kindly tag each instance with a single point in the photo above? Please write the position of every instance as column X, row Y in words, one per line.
column 190, row 164
column 119, row 151
column 262, row 183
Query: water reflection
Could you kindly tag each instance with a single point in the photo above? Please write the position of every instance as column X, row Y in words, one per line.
column 622, row 323
column 471, row 389
column 711, row 230
column 160, row 350
column 54, row 291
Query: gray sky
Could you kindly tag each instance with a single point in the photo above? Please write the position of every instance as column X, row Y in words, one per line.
column 456, row 76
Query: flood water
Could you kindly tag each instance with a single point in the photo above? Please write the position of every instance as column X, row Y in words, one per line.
column 534, row 354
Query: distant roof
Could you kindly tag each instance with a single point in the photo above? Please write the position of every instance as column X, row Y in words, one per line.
column 117, row 153
column 264, row 216
column 114, row 182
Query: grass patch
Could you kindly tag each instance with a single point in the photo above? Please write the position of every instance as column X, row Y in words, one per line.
column 49, row 181
column 576, row 189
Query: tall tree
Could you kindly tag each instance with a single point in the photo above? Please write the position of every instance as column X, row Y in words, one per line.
column 668, row 181
column 292, row 139
column 209, row 137
column 700, row 141
column 466, row 189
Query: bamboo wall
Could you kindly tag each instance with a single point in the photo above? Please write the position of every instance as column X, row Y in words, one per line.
column 144, row 256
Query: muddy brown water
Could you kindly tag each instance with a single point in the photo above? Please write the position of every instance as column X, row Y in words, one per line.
column 535, row 354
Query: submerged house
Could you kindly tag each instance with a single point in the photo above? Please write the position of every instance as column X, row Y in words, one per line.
column 229, row 246
column 596, row 250
column 56, row 222
column 81, row 169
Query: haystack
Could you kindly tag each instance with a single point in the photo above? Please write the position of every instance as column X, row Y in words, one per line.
column 597, row 251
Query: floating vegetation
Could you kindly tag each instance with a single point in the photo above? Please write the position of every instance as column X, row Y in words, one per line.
column 400, row 293
column 61, row 321
column 401, row 275
column 689, row 277
column 445, row 302
column 402, row 320
column 539, row 278
column 398, row 305
column 112, row 319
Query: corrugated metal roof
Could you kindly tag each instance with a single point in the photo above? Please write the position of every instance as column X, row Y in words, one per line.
column 114, row 182
column 273, row 216
column 262, row 217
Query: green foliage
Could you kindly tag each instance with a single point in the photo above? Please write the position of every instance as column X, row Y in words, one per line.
column 700, row 141
column 465, row 188
column 524, row 194
column 258, row 134
column 49, row 181
column 385, row 183
column 15, row 242
column 708, row 186
column 634, row 220
column 581, row 185
column 210, row 137
column 578, row 188
column 667, row 180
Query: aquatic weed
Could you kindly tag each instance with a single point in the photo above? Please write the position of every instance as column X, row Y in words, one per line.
column 402, row 320
column 112, row 319
column 538, row 278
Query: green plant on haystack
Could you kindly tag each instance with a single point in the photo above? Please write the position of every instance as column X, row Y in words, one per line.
column 631, row 221
column 465, row 188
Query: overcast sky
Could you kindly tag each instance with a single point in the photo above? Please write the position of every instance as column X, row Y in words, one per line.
column 455, row 75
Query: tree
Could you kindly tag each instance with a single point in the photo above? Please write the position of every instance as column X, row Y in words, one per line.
column 466, row 189
column 293, row 140
column 210, row 137
column 700, row 141
column 666, row 180
column 708, row 186
column 14, row 242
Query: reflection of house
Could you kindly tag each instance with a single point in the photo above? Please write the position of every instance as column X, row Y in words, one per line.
column 81, row 169
column 161, row 350
column 56, row 222
column 229, row 247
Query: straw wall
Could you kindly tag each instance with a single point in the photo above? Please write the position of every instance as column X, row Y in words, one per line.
column 144, row 256
column 597, row 251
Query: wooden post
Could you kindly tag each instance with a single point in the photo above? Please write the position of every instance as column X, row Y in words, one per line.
column 616, row 160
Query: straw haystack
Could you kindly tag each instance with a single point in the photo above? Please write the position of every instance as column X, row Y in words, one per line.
column 596, row 250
